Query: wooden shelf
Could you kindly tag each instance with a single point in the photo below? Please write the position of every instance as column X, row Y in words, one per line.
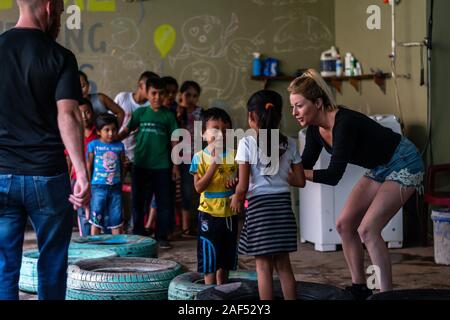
column 336, row 82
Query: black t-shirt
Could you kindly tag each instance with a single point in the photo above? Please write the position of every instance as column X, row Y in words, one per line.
column 357, row 139
column 35, row 72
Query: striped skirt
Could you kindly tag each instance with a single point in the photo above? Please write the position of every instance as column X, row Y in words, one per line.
column 269, row 226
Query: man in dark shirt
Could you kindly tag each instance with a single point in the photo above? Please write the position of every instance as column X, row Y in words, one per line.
column 39, row 117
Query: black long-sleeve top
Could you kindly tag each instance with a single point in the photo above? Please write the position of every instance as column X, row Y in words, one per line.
column 357, row 139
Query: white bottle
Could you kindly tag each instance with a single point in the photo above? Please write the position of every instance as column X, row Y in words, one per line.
column 339, row 67
column 358, row 69
column 348, row 64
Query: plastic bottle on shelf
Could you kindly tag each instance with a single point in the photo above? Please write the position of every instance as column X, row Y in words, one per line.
column 358, row 69
column 257, row 66
column 339, row 67
column 328, row 62
column 348, row 64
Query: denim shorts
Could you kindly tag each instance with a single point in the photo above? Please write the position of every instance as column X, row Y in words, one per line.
column 106, row 206
column 405, row 167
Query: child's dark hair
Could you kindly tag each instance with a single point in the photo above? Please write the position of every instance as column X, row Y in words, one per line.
column 215, row 114
column 147, row 75
column 268, row 105
column 156, row 83
column 87, row 102
column 182, row 116
column 104, row 119
column 190, row 84
column 170, row 81
column 84, row 75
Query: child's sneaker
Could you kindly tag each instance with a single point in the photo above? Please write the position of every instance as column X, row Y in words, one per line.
column 164, row 244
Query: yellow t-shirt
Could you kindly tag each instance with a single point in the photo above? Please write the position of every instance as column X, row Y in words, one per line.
column 215, row 200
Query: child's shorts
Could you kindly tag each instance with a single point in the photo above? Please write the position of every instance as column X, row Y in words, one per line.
column 217, row 243
column 405, row 167
column 106, row 206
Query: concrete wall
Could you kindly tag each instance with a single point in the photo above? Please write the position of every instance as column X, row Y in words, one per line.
column 372, row 48
column 214, row 42
column 440, row 86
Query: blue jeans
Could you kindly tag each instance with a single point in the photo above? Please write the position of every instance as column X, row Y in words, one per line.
column 106, row 206
column 45, row 201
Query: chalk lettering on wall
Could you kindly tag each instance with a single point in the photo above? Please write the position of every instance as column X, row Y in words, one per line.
column 300, row 31
column 102, row 46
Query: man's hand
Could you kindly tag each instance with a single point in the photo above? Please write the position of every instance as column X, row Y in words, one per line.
column 81, row 193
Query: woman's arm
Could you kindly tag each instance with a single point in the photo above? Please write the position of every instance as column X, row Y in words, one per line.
column 113, row 107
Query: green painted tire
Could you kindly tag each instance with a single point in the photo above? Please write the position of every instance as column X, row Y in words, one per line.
column 187, row 285
column 248, row 290
column 124, row 245
column 122, row 278
column 28, row 281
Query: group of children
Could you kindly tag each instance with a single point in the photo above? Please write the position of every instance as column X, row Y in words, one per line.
column 223, row 177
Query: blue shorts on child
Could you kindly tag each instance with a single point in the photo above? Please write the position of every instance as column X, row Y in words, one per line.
column 217, row 243
column 106, row 206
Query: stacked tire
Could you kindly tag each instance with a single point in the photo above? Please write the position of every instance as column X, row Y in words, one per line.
column 123, row 245
column 122, row 278
column 28, row 281
column 187, row 285
column 248, row 290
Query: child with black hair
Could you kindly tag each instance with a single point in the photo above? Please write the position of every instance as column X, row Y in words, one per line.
column 100, row 102
column 152, row 171
column 90, row 134
column 188, row 112
column 270, row 230
column 213, row 169
column 106, row 157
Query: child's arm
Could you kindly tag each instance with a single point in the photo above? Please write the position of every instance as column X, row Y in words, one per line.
column 296, row 176
column 175, row 169
column 125, row 132
column 90, row 165
column 123, row 160
column 201, row 183
column 113, row 107
column 237, row 200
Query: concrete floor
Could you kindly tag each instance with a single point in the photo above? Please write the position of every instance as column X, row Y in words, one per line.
column 413, row 268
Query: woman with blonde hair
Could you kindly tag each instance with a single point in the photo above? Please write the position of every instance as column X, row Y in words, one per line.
column 395, row 171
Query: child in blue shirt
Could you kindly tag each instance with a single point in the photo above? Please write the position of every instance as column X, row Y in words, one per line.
column 106, row 157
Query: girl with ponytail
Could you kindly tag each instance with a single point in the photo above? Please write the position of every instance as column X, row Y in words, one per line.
column 270, row 230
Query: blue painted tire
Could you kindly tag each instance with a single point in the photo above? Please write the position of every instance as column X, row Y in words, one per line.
column 186, row 286
column 28, row 281
column 124, row 245
column 122, row 278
